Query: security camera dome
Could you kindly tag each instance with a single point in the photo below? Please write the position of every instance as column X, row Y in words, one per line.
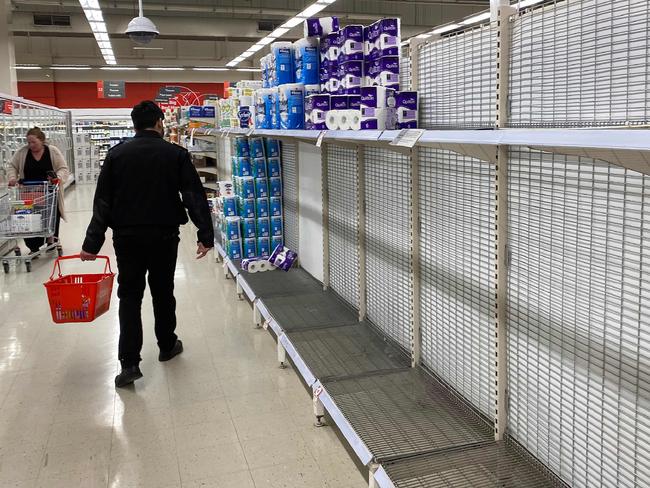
column 142, row 30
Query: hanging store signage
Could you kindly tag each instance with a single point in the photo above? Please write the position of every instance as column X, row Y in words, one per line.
column 111, row 89
column 166, row 93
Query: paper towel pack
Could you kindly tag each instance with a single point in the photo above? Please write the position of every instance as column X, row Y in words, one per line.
column 316, row 108
column 306, row 59
column 352, row 46
column 319, row 27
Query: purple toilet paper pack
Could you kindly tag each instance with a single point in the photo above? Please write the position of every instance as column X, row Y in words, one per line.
column 384, row 72
column 319, row 27
column 383, row 39
column 352, row 48
column 339, row 102
column 375, row 111
column 354, row 102
column 406, row 104
column 351, row 76
column 316, row 108
column 283, row 258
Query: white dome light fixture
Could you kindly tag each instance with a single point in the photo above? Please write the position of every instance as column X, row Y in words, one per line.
column 142, row 30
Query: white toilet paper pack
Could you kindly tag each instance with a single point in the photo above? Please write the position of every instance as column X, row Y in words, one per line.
column 406, row 106
column 351, row 76
column 319, row 27
column 352, row 46
column 291, row 101
column 383, row 72
column 316, row 108
column 282, row 63
column 262, row 116
column 306, row 59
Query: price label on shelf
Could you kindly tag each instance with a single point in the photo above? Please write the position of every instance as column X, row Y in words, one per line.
column 321, row 136
column 250, row 132
column 318, row 391
column 407, row 138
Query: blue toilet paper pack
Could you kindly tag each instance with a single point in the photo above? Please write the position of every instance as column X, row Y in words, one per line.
column 275, row 186
column 263, row 247
column 276, row 207
column 276, row 226
column 316, row 108
column 247, row 208
column 259, row 168
column 263, row 227
column 249, row 228
column 277, row 241
column 229, row 206
column 250, row 248
column 291, row 98
column 272, row 148
column 352, row 46
column 261, row 187
column 282, row 65
column 244, row 167
column 242, row 149
column 262, row 207
column 306, row 60
column 274, row 167
column 257, row 147
column 233, row 228
column 234, row 249
column 247, row 189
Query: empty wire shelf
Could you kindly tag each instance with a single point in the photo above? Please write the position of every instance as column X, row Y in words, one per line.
column 280, row 283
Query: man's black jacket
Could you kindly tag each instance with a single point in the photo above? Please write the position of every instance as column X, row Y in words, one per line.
column 139, row 191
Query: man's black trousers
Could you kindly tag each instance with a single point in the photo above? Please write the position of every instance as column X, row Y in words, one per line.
column 137, row 255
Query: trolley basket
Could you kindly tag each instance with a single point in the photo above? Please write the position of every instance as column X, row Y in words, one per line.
column 79, row 297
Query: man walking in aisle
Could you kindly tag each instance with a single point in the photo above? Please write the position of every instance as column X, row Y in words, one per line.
column 142, row 192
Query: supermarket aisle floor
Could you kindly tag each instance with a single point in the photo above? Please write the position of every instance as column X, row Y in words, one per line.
column 220, row 415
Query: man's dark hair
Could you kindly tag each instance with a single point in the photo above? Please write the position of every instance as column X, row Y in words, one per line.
column 145, row 115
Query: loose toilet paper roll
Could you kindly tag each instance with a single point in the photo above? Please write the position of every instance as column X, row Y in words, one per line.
column 333, row 120
column 354, row 118
column 255, row 266
column 344, row 120
column 266, row 266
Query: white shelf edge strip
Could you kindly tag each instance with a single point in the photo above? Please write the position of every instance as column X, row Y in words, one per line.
column 297, row 360
column 342, row 423
column 241, row 281
column 382, row 480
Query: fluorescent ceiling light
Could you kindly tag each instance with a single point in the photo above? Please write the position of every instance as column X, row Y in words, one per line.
column 527, row 3
column 104, row 45
column 279, row 32
column 101, row 36
column 265, row 42
column 98, row 26
column 476, row 18
column 312, row 10
column 28, row 67
column 120, row 68
column 71, row 67
column 208, row 68
column 291, row 23
column 445, row 28
column 95, row 15
column 255, row 48
column 166, row 68
column 251, row 70
column 90, row 4
column 326, row 2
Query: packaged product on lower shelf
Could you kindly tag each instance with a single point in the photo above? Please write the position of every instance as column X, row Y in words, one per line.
column 244, row 167
column 276, row 227
column 233, row 228
column 275, row 186
column 283, row 258
column 246, row 208
column 276, row 242
column 273, row 167
column 272, row 148
column 234, row 249
column 263, row 247
column 275, row 207
column 263, row 227
column 262, row 207
column 249, row 228
column 242, row 148
column 250, row 248
column 247, row 189
column 229, row 205
column 262, row 187
column 259, row 167
column 256, row 145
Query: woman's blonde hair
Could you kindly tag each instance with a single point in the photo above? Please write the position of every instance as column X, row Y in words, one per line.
column 36, row 132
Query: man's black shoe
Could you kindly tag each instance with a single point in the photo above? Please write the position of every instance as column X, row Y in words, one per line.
column 175, row 351
column 128, row 375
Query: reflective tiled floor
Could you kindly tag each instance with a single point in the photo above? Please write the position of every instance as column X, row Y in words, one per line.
column 220, row 415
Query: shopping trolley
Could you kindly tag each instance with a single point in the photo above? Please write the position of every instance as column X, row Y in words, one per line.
column 28, row 210
column 79, row 297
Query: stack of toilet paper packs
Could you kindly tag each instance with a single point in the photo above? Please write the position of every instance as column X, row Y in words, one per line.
column 336, row 79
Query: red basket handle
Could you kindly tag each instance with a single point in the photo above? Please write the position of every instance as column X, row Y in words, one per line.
column 57, row 265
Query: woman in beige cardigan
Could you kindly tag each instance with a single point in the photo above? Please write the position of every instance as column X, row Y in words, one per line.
column 38, row 161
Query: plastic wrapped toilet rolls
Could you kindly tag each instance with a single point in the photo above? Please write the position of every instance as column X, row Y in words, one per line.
column 282, row 62
column 291, row 102
column 320, row 27
column 306, row 60
column 344, row 120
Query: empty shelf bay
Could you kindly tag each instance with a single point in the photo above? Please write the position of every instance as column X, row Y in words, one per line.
column 406, row 413
column 495, row 465
column 351, row 350
column 279, row 283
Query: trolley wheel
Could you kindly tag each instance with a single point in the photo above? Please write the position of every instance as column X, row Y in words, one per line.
column 5, row 266
column 59, row 251
column 18, row 252
column 28, row 266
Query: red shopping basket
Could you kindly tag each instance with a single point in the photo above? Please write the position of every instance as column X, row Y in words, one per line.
column 79, row 297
